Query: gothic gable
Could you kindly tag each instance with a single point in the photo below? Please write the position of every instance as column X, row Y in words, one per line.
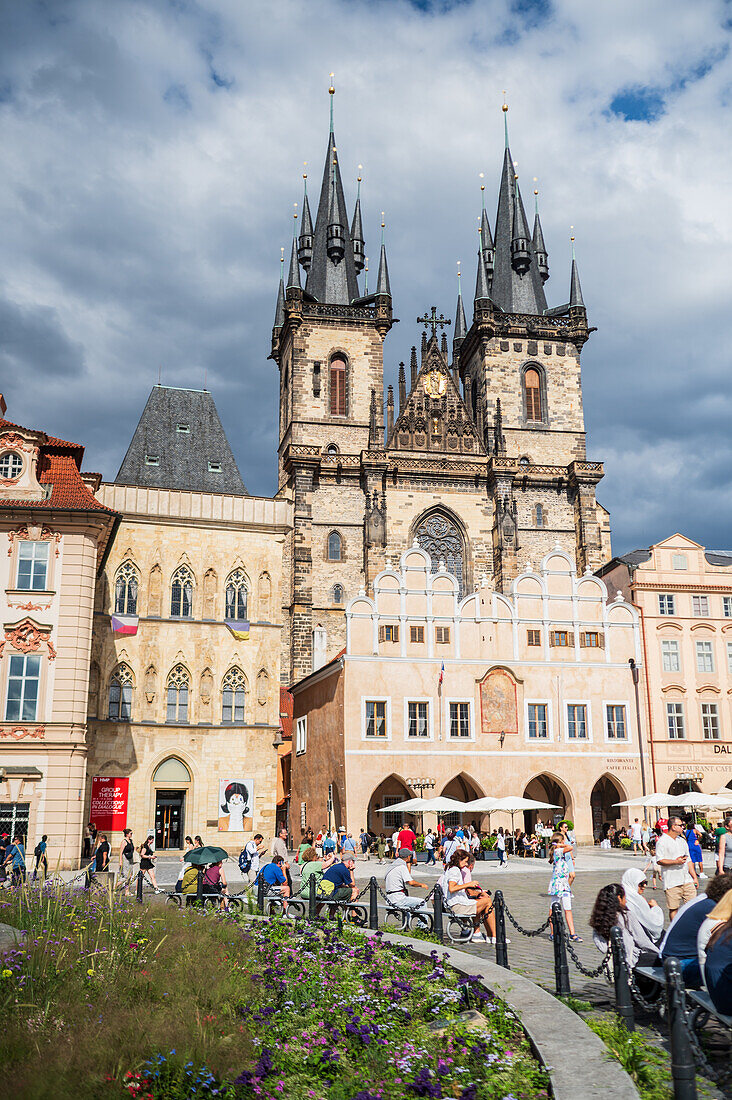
column 435, row 417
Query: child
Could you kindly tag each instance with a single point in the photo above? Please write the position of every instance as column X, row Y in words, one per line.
column 560, row 854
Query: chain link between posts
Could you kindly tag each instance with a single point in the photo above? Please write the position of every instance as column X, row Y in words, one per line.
column 525, row 931
column 598, row 970
column 719, row 1076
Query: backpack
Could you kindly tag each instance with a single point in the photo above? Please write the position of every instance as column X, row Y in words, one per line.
column 245, row 861
column 189, row 885
column 38, row 851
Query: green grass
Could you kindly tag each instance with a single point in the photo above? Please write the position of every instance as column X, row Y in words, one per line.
column 644, row 1063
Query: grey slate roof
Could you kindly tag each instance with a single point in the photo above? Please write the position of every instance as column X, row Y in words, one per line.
column 183, row 457
column 719, row 557
column 510, row 291
column 327, row 281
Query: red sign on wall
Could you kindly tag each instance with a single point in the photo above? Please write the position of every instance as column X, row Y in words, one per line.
column 109, row 802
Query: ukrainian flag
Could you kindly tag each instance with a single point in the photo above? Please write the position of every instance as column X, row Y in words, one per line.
column 239, row 628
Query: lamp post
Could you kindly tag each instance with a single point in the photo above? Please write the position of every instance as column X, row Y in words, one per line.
column 635, row 673
column 421, row 785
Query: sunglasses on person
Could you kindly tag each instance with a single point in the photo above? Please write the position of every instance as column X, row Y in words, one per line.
column 642, row 885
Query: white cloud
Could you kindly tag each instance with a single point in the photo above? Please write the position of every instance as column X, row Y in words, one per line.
column 152, row 154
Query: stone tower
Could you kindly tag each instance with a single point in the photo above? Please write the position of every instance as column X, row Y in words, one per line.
column 520, row 368
column 327, row 341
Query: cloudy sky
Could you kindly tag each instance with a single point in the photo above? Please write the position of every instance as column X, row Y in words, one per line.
column 152, row 153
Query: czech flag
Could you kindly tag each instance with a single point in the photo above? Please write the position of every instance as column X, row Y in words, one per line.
column 239, row 628
column 124, row 624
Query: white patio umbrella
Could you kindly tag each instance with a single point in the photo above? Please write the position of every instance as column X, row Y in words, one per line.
column 485, row 804
column 444, row 805
column 655, row 801
column 513, row 805
column 411, row 805
column 697, row 800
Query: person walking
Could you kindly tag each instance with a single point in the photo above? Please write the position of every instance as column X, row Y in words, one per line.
column 253, row 852
column 679, row 877
column 365, row 840
column 560, row 852
column 348, row 846
column 127, row 861
column 381, row 847
column 41, row 858
column 147, row 860
column 407, row 837
column 501, row 848
column 15, row 859
column 429, row 846
column 724, row 853
column 692, row 835
column 636, row 836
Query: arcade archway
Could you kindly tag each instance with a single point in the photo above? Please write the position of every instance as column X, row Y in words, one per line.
column 463, row 789
column 391, row 790
column 605, row 794
column 547, row 788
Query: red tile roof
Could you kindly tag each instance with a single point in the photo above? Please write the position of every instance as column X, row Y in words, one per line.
column 286, row 711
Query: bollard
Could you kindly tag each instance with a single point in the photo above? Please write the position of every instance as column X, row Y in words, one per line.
column 561, row 967
column 501, row 948
column 260, row 893
column 683, row 1069
column 312, row 912
column 437, row 919
column 623, row 998
column 373, row 905
column 139, row 886
column 199, row 887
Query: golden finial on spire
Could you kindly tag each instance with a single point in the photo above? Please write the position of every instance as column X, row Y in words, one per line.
column 504, row 108
column 383, row 223
column 295, row 211
column 305, row 165
column 282, row 255
column 331, row 89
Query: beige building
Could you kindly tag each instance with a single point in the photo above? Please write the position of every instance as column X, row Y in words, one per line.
column 684, row 595
column 54, row 537
column 536, row 699
column 182, row 710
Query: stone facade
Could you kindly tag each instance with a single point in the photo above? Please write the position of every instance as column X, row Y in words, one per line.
column 215, row 537
column 536, row 698
column 684, row 595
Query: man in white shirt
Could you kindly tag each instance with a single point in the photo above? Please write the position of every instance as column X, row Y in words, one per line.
column 396, row 881
column 254, row 850
column 679, row 877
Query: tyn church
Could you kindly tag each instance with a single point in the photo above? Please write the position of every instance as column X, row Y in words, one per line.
column 480, row 457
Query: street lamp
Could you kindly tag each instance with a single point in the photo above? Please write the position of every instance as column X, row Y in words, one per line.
column 635, row 673
column 421, row 785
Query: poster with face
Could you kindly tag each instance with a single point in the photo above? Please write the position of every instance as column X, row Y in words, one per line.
column 236, row 802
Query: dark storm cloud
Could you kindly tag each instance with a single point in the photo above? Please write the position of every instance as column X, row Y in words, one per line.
column 152, row 153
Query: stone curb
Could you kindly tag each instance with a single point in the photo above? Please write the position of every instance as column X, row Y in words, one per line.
column 579, row 1064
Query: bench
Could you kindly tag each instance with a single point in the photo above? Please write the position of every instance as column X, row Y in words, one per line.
column 703, row 1006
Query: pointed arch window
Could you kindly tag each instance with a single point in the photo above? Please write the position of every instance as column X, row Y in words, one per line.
column 126, row 587
column 233, row 696
column 337, row 386
column 335, row 546
column 179, row 686
column 120, row 694
column 338, row 593
column 181, row 594
column 539, row 515
column 237, row 595
column 441, row 538
column 532, row 395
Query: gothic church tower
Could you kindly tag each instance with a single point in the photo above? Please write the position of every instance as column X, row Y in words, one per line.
column 327, row 341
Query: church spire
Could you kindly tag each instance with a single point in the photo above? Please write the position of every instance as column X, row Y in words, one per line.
column 359, row 244
column 280, row 307
column 305, row 243
column 382, row 281
column 542, row 259
column 293, row 279
column 460, row 326
column 516, row 286
column 332, row 273
column 486, row 238
column 575, row 290
column 481, row 282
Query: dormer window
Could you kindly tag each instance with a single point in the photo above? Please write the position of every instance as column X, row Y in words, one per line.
column 152, row 460
column 183, row 429
column 11, row 465
column 214, row 467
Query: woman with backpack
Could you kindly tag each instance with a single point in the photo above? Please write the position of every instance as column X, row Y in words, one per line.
column 40, row 853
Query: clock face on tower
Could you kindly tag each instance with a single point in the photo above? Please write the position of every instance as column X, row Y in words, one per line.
column 435, row 383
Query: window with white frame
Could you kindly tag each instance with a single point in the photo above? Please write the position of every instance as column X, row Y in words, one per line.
column 179, row 683
column 375, row 718
column 727, row 606
column 301, row 735
column 442, row 635
column 675, row 721
column 14, row 819
column 120, row 694
column 577, row 721
column 24, row 677
column 670, row 656
column 459, row 719
column 679, row 561
column 418, row 719
column 704, row 657
column 11, row 465
column 32, row 566
column 700, row 605
column 616, row 724
column 666, row 604
column 538, row 721
column 710, row 721
column 729, row 656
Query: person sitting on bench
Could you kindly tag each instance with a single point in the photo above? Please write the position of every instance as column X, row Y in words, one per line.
column 274, row 879
column 719, row 915
column 610, row 909
column 680, row 942
column 718, row 968
column 398, row 878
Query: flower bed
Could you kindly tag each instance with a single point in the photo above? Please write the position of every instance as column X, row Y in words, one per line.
column 161, row 1005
